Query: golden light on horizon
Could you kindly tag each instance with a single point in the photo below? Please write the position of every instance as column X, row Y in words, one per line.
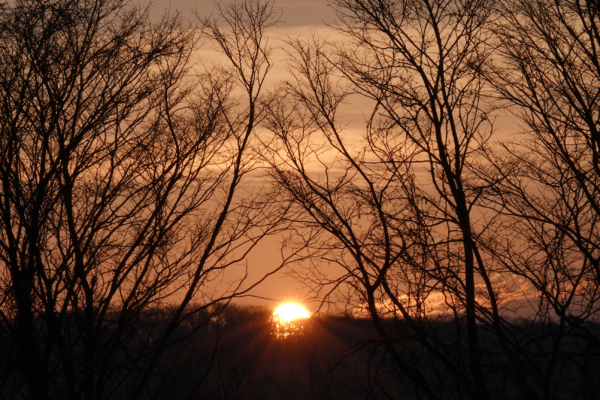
column 289, row 312
column 288, row 320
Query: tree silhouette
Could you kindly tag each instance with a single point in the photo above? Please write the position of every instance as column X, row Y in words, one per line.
column 122, row 174
column 429, row 228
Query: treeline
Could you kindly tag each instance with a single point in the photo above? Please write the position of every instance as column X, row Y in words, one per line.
column 238, row 355
column 133, row 179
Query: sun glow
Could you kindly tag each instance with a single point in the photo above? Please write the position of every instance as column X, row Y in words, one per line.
column 288, row 320
column 290, row 312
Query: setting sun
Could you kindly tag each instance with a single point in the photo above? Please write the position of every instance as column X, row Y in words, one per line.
column 290, row 312
column 289, row 319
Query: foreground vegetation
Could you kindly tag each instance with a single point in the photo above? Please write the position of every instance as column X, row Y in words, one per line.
column 239, row 356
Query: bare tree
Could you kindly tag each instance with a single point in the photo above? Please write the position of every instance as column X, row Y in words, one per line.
column 549, row 183
column 121, row 186
column 424, row 205
column 544, row 181
column 399, row 206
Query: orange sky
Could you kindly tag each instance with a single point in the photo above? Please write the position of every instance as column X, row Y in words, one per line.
column 299, row 19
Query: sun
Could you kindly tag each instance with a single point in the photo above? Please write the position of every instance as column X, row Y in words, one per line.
column 289, row 320
column 290, row 312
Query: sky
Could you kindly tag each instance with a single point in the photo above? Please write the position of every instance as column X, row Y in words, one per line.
column 298, row 19
column 295, row 14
